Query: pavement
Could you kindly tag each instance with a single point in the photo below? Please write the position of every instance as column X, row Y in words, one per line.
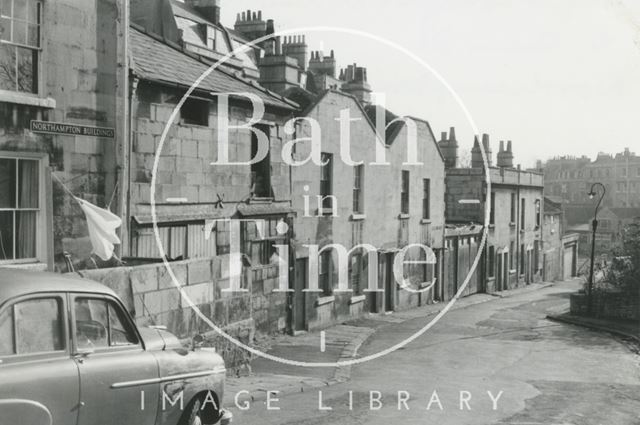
column 624, row 329
column 341, row 343
column 491, row 360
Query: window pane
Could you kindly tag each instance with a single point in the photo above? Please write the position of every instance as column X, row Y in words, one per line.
column 91, row 323
column 19, row 32
column 6, row 235
column 27, row 63
column 120, row 335
column 27, row 183
column 20, row 9
column 5, row 29
column 33, row 38
column 6, row 332
column 39, row 326
column 7, row 67
column 32, row 11
column 5, row 7
column 25, row 234
column 7, row 183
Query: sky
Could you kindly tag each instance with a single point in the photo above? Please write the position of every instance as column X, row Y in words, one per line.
column 557, row 77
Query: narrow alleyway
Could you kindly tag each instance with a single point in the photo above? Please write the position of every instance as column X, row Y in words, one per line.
column 548, row 373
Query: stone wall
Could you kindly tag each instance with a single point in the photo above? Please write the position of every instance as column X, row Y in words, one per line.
column 608, row 305
column 150, row 295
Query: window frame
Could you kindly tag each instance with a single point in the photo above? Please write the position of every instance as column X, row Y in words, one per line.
column 37, row 51
column 43, row 211
column 64, row 324
column 326, row 181
column 492, row 213
column 358, row 192
column 262, row 168
column 108, row 299
column 426, row 199
column 326, row 286
column 405, row 187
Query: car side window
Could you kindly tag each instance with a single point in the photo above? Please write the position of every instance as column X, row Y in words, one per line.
column 119, row 334
column 37, row 325
column 6, row 332
column 91, row 323
column 99, row 324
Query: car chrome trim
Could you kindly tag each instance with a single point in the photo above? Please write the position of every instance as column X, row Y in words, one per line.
column 169, row 378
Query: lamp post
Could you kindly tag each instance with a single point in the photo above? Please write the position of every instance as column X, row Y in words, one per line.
column 594, row 223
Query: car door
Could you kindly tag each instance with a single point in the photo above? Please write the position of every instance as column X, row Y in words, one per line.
column 118, row 378
column 38, row 378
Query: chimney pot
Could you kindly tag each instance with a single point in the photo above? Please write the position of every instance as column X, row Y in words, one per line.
column 509, row 146
column 501, row 146
column 452, row 133
column 443, row 135
column 260, row 15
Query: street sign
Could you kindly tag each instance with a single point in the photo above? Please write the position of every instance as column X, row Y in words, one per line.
column 71, row 129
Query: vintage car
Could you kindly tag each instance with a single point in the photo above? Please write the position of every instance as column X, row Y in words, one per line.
column 71, row 354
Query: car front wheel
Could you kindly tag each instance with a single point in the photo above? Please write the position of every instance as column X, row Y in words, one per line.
column 195, row 415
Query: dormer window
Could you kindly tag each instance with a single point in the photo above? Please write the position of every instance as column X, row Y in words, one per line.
column 211, row 37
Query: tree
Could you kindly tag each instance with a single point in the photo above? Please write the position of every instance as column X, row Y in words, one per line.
column 625, row 267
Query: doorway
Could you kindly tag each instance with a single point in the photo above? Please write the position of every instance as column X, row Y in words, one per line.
column 299, row 284
column 386, row 276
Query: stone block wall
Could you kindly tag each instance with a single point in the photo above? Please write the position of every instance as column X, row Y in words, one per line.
column 184, row 167
column 150, row 295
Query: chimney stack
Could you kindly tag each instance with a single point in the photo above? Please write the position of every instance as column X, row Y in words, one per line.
column 296, row 48
column 476, row 154
column 250, row 24
column 322, row 65
column 355, row 82
column 505, row 157
column 210, row 9
column 449, row 148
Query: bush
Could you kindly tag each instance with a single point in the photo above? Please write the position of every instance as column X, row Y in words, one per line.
column 624, row 271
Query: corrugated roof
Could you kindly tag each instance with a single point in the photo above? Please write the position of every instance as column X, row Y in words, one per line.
column 157, row 61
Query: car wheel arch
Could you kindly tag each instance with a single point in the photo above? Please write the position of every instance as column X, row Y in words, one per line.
column 211, row 413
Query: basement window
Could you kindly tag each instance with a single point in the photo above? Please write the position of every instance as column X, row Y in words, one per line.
column 195, row 112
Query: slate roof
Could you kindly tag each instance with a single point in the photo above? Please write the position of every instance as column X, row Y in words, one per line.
column 157, row 61
column 551, row 207
column 393, row 129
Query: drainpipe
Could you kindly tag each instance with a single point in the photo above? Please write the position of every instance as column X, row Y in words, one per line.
column 126, row 132
column 126, row 189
